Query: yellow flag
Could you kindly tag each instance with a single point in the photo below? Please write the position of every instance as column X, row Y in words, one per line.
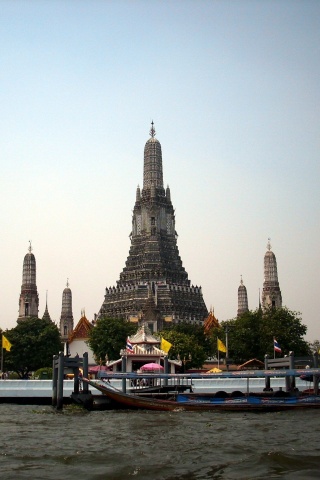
column 221, row 346
column 165, row 345
column 6, row 344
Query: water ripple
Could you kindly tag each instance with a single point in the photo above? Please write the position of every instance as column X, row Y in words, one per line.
column 117, row 445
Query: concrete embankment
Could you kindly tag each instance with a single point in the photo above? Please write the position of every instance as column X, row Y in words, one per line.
column 40, row 391
column 32, row 391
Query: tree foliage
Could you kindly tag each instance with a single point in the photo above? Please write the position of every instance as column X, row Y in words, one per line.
column 314, row 346
column 34, row 342
column 251, row 335
column 109, row 336
column 43, row 373
column 189, row 343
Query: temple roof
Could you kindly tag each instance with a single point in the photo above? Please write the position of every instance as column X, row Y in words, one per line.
column 144, row 335
column 81, row 330
column 254, row 364
column 210, row 322
column 46, row 315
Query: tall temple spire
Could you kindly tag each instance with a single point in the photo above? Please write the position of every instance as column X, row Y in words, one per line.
column 271, row 293
column 66, row 318
column 152, row 173
column 260, row 308
column 153, row 277
column 242, row 299
column 46, row 315
column 29, row 298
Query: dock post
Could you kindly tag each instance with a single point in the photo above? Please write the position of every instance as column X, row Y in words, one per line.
column 291, row 366
column 60, row 381
column 287, row 379
column 54, row 380
column 166, row 369
column 76, row 376
column 267, row 379
column 85, row 372
column 124, row 370
column 315, row 377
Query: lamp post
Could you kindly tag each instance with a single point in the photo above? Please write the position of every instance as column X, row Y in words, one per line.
column 226, row 329
column 185, row 360
column 227, row 342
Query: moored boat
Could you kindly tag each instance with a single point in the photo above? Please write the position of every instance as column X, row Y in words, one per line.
column 220, row 401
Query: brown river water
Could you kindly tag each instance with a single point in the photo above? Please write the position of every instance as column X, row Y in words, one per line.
column 38, row 443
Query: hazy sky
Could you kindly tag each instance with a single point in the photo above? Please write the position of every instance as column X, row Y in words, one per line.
column 233, row 88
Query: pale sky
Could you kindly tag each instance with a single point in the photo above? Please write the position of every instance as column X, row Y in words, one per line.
column 233, row 89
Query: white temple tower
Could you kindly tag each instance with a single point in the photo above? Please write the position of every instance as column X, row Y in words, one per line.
column 271, row 293
column 66, row 319
column 242, row 299
column 29, row 298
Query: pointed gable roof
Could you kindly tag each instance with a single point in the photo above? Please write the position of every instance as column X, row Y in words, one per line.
column 210, row 322
column 253, row 364
column 144, row 336
column 81, row 330
column 46, row 315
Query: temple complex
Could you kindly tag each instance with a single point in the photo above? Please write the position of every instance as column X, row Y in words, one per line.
column 271, row 293
column 154, row 287
column 29, row 298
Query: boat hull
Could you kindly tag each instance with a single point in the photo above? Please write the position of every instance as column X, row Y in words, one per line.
column 203, row 403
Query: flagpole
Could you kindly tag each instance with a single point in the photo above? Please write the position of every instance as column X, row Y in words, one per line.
column 274, row 351
column 1, row 357
column 218, row 357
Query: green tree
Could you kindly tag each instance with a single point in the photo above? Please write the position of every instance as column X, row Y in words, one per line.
column 199, row 337
column 109, row 336
column 244, row 336
column 34, row 342
column 314, row 346
column 251, row 335
column 43, row 373
column 185, row 345
column 286, row 326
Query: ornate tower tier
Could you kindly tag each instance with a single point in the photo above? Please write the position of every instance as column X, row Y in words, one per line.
column 152, row 172
column 242, row 299
column 29, row 298
column 271, row 293
column 66, row 319
column 153, row 273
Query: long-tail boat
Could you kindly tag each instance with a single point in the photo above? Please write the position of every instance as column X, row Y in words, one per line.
column 220, row 401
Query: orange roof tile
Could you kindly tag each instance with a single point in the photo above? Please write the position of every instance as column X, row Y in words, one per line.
column 81, row 330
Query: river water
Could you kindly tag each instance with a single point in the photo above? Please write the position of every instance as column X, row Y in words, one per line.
column 39, row 443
